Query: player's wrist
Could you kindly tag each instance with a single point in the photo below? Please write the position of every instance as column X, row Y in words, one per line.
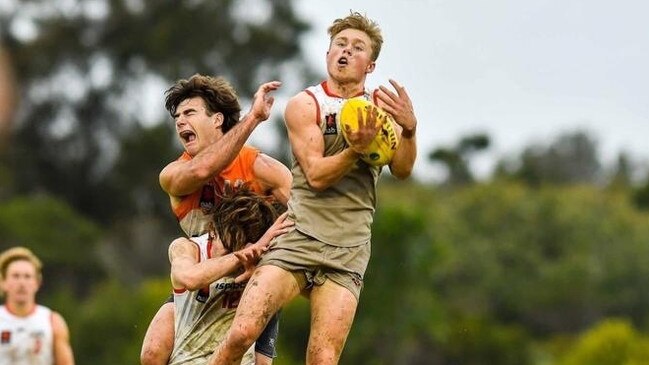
column 252, row 118
column 354, row 152
column 409, row 133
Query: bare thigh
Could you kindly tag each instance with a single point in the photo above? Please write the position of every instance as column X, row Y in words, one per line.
column 159, row 338
column 267, row 291
column 269, row 288
column 332, row 313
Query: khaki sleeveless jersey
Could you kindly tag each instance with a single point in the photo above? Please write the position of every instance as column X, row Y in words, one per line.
column 342, row 214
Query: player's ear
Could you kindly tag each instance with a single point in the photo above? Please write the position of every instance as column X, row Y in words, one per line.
column 218, row 119
column 370, row 68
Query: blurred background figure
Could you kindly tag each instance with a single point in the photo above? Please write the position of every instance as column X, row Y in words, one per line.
column 7, row 97
column 30, row 334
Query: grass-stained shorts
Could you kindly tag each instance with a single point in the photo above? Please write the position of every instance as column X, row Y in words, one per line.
column 312, row 261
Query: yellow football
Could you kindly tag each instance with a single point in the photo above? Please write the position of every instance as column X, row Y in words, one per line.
column 382, row 148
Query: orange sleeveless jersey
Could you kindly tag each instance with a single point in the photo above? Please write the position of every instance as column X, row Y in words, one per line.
column 193, row 212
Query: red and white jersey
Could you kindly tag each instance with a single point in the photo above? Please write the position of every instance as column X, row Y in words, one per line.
column 203, row 317
column 26, row 340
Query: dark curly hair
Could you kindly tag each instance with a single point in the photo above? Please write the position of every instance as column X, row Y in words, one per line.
column 216, row 92
column 242, row 216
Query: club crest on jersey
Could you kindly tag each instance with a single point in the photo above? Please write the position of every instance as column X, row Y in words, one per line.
column 5, row 337
column 208, row 199
column 330, row 124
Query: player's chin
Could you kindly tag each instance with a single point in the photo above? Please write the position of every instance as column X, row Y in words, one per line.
column 339, row 69
column 346, row 77
column 191, row 147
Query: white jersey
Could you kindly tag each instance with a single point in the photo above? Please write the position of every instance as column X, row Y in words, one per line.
column 26, row 340
column 203, row 317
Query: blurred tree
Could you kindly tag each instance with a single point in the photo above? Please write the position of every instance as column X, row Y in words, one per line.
column 108, row 327
column 611, row 342
column 474, row 341
column 136, row 245
column 570, row 159
column 396, row 306
column 553, row 260
column 456, row 159
column 622, row 173
column 293, row 333
column 65, row 241
column 641, row 195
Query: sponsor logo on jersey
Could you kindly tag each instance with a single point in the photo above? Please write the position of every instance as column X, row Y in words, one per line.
column 5, row 337
column 208, row 199
column 203, row 294
column 230, row 286
column 330, row 124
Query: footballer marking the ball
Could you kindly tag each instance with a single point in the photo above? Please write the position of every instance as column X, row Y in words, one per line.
column 385, row 143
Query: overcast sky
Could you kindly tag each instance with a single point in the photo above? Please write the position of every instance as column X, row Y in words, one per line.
column 521, row 71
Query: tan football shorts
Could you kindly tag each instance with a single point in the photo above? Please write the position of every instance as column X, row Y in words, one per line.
column 312, row 262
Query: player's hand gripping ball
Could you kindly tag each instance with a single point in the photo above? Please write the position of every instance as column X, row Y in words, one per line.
column 382, row 148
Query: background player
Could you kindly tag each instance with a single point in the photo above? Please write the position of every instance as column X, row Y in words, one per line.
column 30, row 334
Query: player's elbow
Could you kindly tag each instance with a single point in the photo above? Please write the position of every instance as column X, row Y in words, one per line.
column 149, row 357
column 192, row 283
column 316, row 184
column 401, row 172
column 194, row 287
column 315, row 180
column 318, row 187
column 201, row 173
column 188, row 280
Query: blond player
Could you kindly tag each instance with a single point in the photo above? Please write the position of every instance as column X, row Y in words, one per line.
column 332, row 201
column 30, row 334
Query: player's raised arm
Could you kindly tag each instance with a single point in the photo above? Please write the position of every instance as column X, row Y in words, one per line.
column 209, row 130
